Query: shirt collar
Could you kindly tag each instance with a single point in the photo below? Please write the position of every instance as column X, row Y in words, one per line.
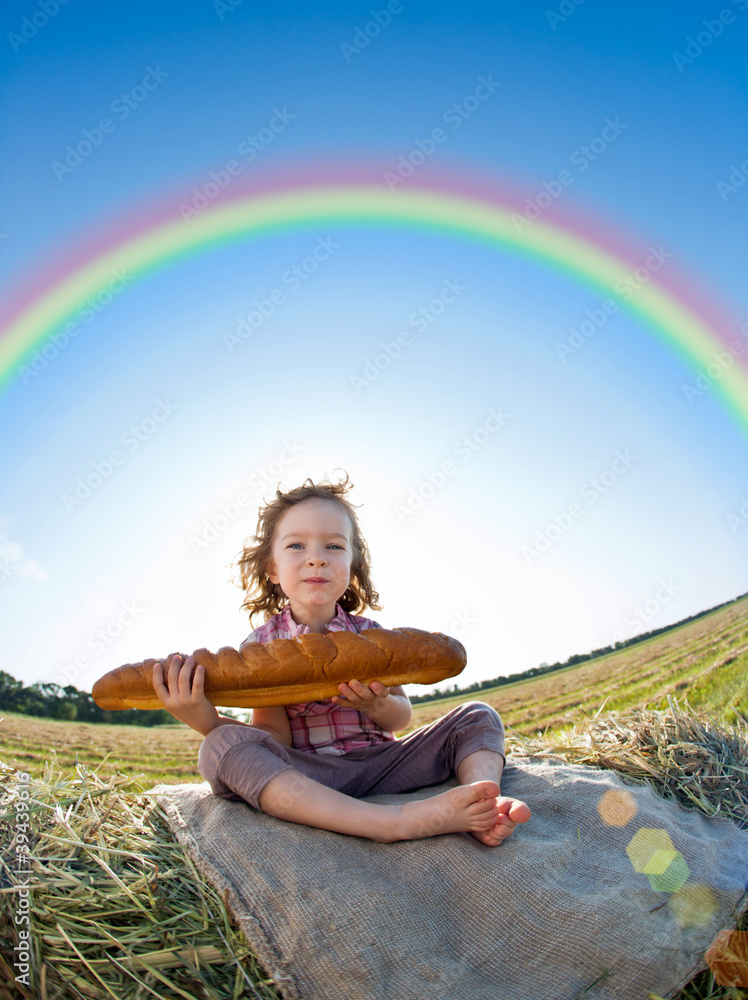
column 340, row 623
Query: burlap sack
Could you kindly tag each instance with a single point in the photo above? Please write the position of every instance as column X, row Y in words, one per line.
column 609, row 891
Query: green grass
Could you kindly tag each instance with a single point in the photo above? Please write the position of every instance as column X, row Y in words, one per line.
column 161, row 754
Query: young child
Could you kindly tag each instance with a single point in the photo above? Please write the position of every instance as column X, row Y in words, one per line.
column 309, row 570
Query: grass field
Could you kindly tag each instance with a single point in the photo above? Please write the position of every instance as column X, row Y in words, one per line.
column 706, row 661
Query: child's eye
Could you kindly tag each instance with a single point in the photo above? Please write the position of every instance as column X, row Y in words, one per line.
column 300, row 545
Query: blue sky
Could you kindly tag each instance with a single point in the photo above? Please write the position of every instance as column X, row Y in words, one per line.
column 119, row 576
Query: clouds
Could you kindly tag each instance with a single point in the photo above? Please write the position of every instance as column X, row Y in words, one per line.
column 14, row 562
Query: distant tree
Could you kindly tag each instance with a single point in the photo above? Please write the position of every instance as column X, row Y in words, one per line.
column 10, row 688
column 65, row 710
column 49, row 700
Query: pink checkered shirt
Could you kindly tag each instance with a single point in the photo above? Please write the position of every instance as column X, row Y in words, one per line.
column 322, row 726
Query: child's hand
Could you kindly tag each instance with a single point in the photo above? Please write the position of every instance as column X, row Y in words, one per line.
column 389, row 707
column 183, row 696
column 368, row 698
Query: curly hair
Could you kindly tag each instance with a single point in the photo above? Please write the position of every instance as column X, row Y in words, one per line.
column 264, row 596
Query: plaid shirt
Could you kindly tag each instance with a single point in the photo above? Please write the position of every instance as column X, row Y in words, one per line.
column 322, row 726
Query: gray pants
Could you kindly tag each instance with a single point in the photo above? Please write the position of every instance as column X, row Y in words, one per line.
column 238, row 761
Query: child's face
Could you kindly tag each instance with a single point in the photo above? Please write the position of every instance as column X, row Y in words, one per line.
column 311, row 555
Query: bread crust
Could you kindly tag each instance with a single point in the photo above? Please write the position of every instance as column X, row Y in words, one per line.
column 290, row 671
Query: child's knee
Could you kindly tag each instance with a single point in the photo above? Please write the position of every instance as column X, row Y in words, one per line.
column 217, row 744
column 477, row 713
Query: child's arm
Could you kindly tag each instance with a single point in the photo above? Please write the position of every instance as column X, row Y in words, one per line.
column 273, row 721
column 184, row 696
column 185, row 699
column 388, row 707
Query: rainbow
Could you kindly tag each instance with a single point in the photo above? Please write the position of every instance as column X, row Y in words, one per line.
column 464, row 207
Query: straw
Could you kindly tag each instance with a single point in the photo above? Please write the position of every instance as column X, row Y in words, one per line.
column 118, row 908
column 683, row 755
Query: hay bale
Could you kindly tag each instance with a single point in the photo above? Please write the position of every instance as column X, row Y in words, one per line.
column 682, row 754
column 117, row 906
column 119, row 910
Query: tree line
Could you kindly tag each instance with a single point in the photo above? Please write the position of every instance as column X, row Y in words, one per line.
column 51, row 701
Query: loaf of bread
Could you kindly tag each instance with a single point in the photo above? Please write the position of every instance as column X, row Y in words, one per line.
column 290, row 671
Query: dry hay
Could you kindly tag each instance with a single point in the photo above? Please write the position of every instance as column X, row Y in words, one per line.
column 683, row 754
column 119, row 910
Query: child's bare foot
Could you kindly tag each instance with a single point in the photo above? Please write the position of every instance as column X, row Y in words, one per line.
column 511, row 812
column 465, row 809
